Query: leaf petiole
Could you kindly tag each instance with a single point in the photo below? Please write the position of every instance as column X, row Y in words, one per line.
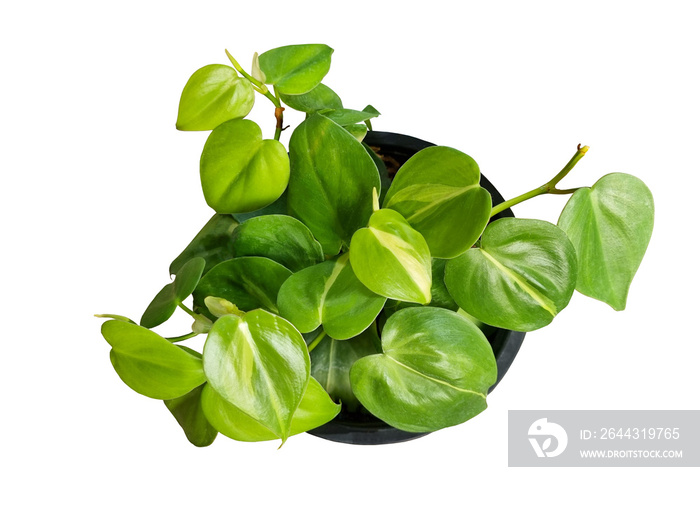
column 317, row 340
column 190, row 312
column 549, row 187
column 257, row 85
column 182, row 337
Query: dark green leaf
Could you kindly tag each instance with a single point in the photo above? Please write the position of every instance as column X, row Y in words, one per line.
column 330, row 188
column 247, row 282
column 383, row 173
column 279, row 207
column 329, row 293
column 437, row 190
column 260, row 364
column 165, row 303
column 434, row 372
column 213, row 95
column 149, row 364
column 610, row 226
column 296, row 69
column 214, row 243
column 320, row 97
column 521, row 276
column 240, row 171
column 331, row 361
column 345, row 117
column 281, row 238
column 188, row 412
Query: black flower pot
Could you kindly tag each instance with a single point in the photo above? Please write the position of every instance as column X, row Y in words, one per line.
column 361, row 428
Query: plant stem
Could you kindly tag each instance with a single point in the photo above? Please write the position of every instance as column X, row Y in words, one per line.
column 318, row 339
column 549, row 187
column 187, row 309
column 259, row 86
column 182, row 337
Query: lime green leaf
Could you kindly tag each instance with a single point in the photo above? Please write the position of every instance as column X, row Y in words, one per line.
column 345, row 117
column 331, row 361
column 523, row 275
column 359, row 131
column 294, row 70
column 281, row 238
column 316, row 408
column 213, row 95
column 187, row 410
column 434, row 372
column 392, row 259
column 329, row 294
column 165, row 303
column 149, row 364
column 320, row 97
column 240, row 171
column 247, row 282
column 437, row 191
column 610, row 226
column 260, row 364
column 214, row 243
column 330, row 188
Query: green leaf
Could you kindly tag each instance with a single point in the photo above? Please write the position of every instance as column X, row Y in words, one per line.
column 437, row 191
column 188, row 412
column 214, row 243
column 240, row 171
column 320, row 97
column 330, row 188
column 329, row 294
column 440, row 297
column 213, row 95
column 359, row 131
column 281, row 238
column 434, row 372
column 523, row 275
column 149, row 364
column 331, row 361
column 165, row 303
column 260, row 364
column 345, row 117
column 392, row 259
column 279, row 207
column 610, row 226
column 316, row 408
column 247, row 282
column 294, row 70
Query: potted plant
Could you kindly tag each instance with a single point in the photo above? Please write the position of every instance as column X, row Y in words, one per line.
column 339, row 276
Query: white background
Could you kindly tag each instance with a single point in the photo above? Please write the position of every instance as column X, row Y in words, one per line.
column 100, row 192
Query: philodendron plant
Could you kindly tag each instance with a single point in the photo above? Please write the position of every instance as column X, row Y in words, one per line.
column 321, row 281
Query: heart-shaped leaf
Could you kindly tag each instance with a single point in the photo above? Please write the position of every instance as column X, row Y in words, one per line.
column 213, row 95
column 331, row 361
column 260, row 364
column 247, row 282
column 435, row 371
column 188, row 412
column 281, row 238
column 345, row 117
column 392, row 259
column 149, row 364
column 214, row 243
column 320, row 97
column 330, row 188
column 240, row 171
column 437, row 190
column 165, row 303
column 316, row 408
column 521, row 276
column 329, row 294
column 610, row 226
column 296, row 69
